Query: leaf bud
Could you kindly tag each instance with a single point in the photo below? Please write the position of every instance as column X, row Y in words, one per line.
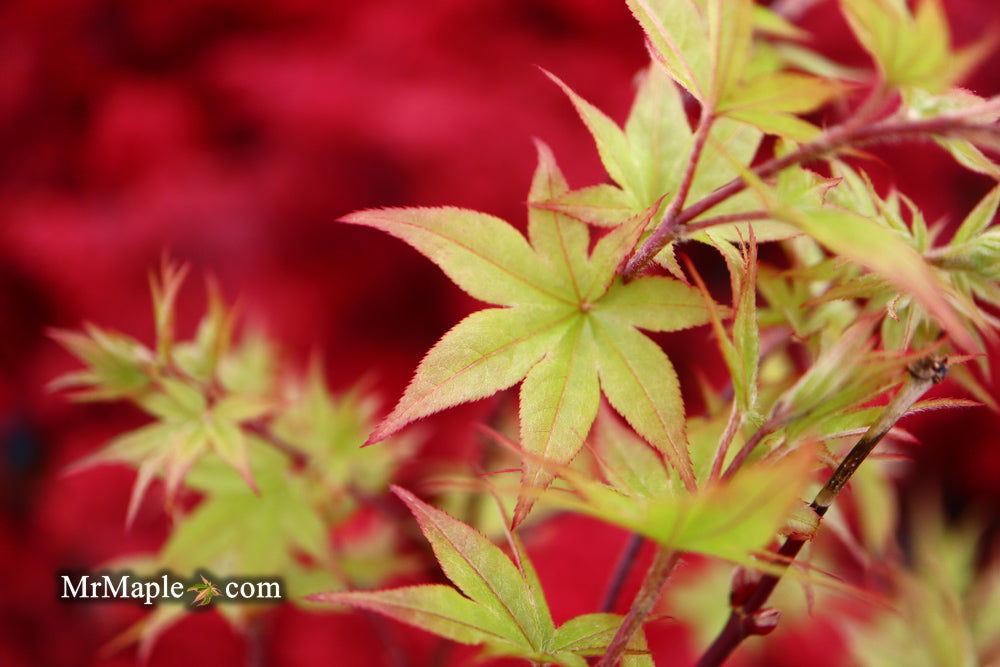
column 763, row 621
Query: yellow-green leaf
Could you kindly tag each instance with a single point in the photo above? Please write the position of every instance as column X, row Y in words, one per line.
column 629, row 463
column 979, row 218
column 675, row 30
column 603, row 205
column 654, row 303
column 789, row 92
column 559, row 400
column 612, row 250
column 910, row 49
column 612, row 145
column 558, row 239
column 433, row 607
column 489, row 350
column 729, row 519
column 483, row 572
column 590, row 634
column 888, row 254
column 482, row 254
column 658, row 135
column 641, row 384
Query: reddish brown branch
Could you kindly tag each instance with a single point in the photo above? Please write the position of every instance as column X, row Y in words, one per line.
column 622, row 568
column 766, row 429
column 668, row 223
column 727, row 438
column 725, row 220
column 299, row 457
column 831, row 141
column 745, row 619
column 663, row 564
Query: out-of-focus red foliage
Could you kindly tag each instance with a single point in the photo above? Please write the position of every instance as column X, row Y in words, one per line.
column 233, row 134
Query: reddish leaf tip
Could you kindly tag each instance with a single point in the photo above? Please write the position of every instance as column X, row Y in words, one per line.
column 383, row 430
column 404, row 495
column 521, row 511
column 545, row 71
column 350, row 218
column 376, row 436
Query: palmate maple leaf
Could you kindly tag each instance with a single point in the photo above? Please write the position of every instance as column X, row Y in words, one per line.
column 207, row 591
column 567, row 327
column 497, row 600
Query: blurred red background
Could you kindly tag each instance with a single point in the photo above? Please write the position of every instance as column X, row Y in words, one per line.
column 234, row 134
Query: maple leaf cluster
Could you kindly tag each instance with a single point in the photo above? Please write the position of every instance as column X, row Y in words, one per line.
column 696, row 337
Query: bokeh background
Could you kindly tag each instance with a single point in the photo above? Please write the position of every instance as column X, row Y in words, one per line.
column 233, row 134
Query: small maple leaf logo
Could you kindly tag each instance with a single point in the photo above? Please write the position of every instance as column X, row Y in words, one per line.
column 207, row 591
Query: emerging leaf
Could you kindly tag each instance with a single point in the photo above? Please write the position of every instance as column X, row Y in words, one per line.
column 884, row 251
column 658, row 141
column 482, row 254
column 116, row 365
column 742, row 352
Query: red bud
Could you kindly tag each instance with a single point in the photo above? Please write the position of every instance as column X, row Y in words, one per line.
column 763, row 622
column 744, row 582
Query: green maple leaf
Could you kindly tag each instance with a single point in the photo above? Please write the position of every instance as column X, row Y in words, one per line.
column 284, row 530
column 647, row 157
column 499, row 601
column 207, row 591
column 567, row 327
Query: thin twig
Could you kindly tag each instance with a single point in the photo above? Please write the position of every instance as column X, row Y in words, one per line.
column 622, row 567
column 299, row 457
column 725, row 220
column 668, row 223
column 663, row 564
column 954, row 124
column 833, row 140
column 873, row 105
column 744, row 619
column 392, row 648
column 771, row 342
column 767, row 428
column 705, row 123
column 256, row 642
column 921, row 376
